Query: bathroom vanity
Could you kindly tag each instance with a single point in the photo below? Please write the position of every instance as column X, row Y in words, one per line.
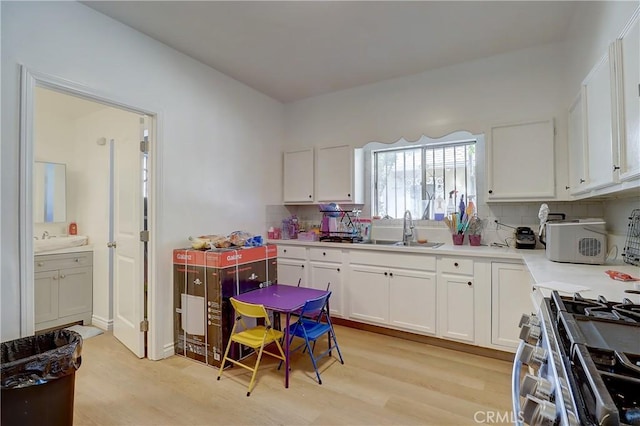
column 63, row 289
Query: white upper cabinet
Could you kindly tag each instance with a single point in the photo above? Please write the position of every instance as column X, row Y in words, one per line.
column 601, row 134
column 298, row 176
column 339, row 175
column 627, row 49
column 577, row 166
column 521, row 162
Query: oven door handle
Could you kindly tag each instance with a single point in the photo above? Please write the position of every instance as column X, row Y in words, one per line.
column 515, row 384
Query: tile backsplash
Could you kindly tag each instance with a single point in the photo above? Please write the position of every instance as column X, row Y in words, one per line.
column 614, row 211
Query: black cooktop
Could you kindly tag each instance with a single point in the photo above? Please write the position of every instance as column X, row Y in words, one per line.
column 600, row 341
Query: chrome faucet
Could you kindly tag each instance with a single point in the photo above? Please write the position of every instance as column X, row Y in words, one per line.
column 45, row 235
column 407, row 231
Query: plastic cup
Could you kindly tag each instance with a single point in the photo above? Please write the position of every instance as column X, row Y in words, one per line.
column 474, row 240
column 458, row 239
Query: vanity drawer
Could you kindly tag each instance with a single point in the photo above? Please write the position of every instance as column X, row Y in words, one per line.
column 455, row 265
column 61, row 261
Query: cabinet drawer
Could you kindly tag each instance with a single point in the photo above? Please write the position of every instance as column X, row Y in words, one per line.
column 292, row 252
column 404, row 260
column 61, row 261
column 455, row 265
column 325, row 255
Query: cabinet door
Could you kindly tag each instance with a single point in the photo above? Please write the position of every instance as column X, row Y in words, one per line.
column 520, row 159
column 323, row 274
column 510, row 298
column 337, row 177
column 292, row 271
column 599, row 124
column 628, row 75
column 298, row 176
column 75, row 291
column 577, row 166
column 456, row 307
column 412, row 300
column 45, row 296
column 369, row 293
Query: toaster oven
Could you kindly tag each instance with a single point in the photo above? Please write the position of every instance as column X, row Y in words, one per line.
column 576, row 241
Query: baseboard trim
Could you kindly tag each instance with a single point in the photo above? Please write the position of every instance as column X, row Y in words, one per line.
column 168, row 350
column 435, row 341
column 102, row 323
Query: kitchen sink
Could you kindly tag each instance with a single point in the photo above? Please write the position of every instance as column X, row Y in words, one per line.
column 401, row 244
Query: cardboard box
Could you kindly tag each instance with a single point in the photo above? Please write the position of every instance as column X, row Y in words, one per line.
column 203, row 283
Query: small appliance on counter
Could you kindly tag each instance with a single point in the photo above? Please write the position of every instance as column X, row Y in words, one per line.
column 576, row 241
column 525, row 238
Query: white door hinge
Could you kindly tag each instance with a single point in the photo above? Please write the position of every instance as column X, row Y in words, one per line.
column 144, row 236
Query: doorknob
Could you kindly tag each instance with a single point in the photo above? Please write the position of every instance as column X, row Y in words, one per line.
column 111, row 244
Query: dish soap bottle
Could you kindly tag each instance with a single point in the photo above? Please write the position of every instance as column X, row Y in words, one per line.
column 451, row 206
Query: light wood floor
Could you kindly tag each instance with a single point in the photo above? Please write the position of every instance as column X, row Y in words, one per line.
column 384, row 381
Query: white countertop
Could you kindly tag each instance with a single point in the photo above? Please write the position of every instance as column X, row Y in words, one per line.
column 86, row 247
column 590, row 276
column 543, row 271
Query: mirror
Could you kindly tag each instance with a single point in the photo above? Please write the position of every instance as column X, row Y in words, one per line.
column 49, row 192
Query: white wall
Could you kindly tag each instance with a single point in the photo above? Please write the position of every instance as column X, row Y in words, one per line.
column 514, row 87
column 220, row 140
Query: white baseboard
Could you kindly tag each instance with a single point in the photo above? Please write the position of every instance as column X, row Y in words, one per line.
column 168, row 350
column 102, row 323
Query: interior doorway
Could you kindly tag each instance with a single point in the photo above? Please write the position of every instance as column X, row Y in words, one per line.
column 105, row 149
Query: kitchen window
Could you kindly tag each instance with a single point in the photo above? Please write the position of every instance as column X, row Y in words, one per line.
column 423, row 179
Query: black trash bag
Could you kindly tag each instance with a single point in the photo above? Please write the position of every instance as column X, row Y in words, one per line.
column 37, row 360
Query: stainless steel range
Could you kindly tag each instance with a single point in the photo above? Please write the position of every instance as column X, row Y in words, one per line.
column 583, row 359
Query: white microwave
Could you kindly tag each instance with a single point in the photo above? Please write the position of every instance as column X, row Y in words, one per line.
column 577, row 241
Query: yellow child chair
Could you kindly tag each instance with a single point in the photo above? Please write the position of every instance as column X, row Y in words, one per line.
column 255, row 337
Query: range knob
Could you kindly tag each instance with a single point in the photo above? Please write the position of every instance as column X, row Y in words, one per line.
column 533, row 356
column 530, row 333
column 529, row 319
column 536, row 386
column 537, row 412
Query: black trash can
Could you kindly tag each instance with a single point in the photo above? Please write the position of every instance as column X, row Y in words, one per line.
column 38, row 377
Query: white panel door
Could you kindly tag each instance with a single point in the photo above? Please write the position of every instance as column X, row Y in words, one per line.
column 412, row 300
column 128, row 270
column 521, row 161
column 298, row 176
column 577, row 166
column 456, row 307
column 323, row 274
column 510, row 298
column 601, row 149
column 628, row 48
column 369, row 294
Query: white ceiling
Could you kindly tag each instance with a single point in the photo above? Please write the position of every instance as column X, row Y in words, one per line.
column 293, row 50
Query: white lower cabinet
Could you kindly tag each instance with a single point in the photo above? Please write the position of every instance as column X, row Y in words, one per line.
column 412, row 300
column 292, row 262
column 456, row 307
column 456, row 299
column 510, row 298
column 369, row 293
column 63, row 289
column 323, row 274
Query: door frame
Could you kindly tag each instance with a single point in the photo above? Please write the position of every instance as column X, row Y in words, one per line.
column 30, row 79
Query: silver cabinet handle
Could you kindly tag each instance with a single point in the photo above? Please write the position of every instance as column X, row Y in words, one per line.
column 62, row 276
column 55, row 278
column 40, row 263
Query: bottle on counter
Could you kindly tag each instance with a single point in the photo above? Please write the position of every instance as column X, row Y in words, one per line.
column 73, row 228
